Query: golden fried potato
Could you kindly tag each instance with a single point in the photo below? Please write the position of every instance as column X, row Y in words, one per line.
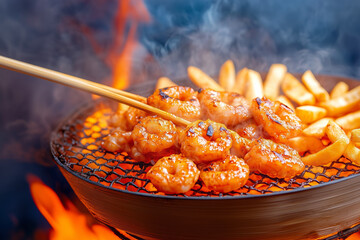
column 355, row 135
column 343, row 104
column 254, row 87
column 310, row 114
column 240, row 81
column 349, row 121
column 314, row 87
column 305, row 143
column 164, row 82
column 332, row 152
column 227, row 75
column 273, row 81
column 317, row 129
column 294, row 90
column 340, row 89
column 202, row 80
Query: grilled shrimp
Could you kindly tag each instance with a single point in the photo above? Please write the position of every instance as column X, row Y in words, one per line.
column 274, row 160
column 154, row 135
column 174, row 174
column 178, row 100
column 126, row 117
column 151, row 139
column 278, row 120
column 249, row 129
column 118, row 141
column 223, row 107
column 240, row 146
column 205, row 141
column 225, row 175
column 132, row 117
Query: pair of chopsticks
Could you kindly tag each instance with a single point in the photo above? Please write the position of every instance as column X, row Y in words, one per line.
column 124, row 97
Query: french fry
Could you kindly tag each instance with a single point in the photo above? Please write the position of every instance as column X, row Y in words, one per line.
column 284, row 100
column 343, row 104
column 349, row 121
column 355, row 135
column 240, row 81
column 340, row 89
column 332, row 152
column 317, row 129
column 273, row 81
column 310, row 114
column 305, row 143
column 202, row 80
column 352, row 153
column 164, row 82
column 254, row 86
column 294, row 90
column 314, row 87
column 327, row 155
column 335, row 132
column 227, row 75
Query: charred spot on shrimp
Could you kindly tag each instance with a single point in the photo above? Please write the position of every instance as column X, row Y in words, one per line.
column 208, row 169
column 279, row 156
column 191, row 130
column 258, row 100
column 210, row 131
column 163, row 95
column 273, row 119
column 200, row 90
column 201, row 124
column 223, row 129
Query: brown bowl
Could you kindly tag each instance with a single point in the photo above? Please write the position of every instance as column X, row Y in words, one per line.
column 298, row 214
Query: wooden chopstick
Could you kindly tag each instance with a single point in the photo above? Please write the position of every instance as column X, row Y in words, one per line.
column 127, row 98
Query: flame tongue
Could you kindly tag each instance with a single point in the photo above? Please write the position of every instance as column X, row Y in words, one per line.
column 129, row 13
column 66, row 224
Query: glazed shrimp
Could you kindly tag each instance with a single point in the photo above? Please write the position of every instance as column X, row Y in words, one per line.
column 223, row 107
column 174, row 174
column 240, row 145
column 278, row 120
column 178, row 100
column 118, row 141
column 126, row 117
column 225, row 175
column 154, row 135
column 249, row 129
column 205, row 141
column 274, row 160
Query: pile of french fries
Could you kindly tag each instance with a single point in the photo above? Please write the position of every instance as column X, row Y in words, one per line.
column 331, row 121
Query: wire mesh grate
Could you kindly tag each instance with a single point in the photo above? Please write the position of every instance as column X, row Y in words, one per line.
column 76, row 144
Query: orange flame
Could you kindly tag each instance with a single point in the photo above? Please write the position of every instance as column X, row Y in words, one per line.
column 355, row 236
column 131, row 13
column 66, row 223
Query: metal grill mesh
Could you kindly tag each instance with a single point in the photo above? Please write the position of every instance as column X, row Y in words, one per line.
column 76, row 144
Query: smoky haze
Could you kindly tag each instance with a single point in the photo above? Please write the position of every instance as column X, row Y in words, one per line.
column 323, row 36
column 317, row 35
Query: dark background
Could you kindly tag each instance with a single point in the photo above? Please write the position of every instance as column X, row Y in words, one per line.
column 323, row 36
